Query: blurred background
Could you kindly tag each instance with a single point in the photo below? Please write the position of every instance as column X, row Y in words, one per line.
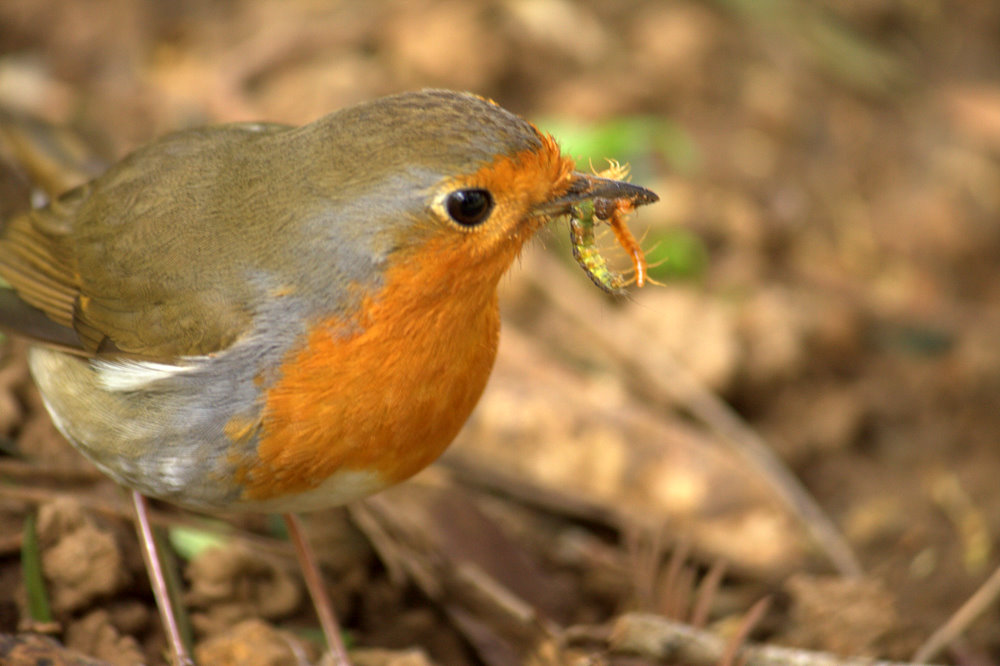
column 825, row 250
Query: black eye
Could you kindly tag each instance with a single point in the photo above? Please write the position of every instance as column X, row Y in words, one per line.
column 469, row 207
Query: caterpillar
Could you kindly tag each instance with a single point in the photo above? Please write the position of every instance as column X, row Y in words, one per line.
column 584, row 243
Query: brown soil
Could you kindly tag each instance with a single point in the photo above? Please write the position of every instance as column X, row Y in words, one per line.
column 837, row 164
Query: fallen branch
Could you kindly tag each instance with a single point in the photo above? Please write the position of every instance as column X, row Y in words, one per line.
column 656, row 637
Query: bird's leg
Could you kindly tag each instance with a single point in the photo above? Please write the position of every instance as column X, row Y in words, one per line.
column 314, row 583
column 155, row 570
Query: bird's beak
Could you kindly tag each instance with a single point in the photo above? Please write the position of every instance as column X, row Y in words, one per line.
column 585, row 187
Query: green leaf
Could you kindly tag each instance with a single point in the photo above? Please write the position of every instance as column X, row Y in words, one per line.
column 189, row 542
column 634, row 139
column 675, row 254
column 31, row 569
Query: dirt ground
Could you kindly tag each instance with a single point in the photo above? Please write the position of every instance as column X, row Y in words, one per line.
column 829, row 175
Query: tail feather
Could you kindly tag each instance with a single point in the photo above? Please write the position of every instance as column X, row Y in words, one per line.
column 18, row 317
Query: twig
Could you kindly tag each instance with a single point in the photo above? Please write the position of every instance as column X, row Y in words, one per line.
column 677, row 580
column 707, row 590
column 981, row 600
column 736, row 643
column 656, row 637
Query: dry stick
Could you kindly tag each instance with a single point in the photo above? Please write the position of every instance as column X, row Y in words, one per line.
column 645, row 558
column 980, row 601
column 747, row 625
column 676, row 594
column 389, row 552
column 706, row 594
column 56, row 159
column 656, row 371
column 656, row 637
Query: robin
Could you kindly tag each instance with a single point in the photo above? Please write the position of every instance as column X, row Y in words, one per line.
column 270, row 318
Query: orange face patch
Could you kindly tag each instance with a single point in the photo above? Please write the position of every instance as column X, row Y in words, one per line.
column 530, row 176
column 518, row 183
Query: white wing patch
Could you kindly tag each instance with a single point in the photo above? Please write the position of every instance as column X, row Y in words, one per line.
column 130, row 375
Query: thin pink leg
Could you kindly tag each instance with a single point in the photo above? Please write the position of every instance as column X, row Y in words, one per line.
column 314, row 583
column 155, row 570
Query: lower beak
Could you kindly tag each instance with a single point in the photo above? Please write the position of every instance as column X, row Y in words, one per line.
column 585, row 187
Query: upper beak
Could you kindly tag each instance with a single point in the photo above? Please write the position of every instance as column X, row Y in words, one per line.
column 585, row 187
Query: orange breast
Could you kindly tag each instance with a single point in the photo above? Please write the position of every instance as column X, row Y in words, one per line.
column 388, row 398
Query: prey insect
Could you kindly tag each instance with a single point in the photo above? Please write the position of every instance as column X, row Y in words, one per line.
column 586, row 252
column 584, row 242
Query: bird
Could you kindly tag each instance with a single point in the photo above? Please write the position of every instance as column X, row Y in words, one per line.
column 272, row 318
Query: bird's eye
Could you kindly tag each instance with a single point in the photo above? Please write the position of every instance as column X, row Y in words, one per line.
column 469, row 207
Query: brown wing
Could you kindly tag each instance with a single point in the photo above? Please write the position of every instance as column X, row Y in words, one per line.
column 174, row 249
column 116, row 288
column 37, row 268
column 140, row 261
